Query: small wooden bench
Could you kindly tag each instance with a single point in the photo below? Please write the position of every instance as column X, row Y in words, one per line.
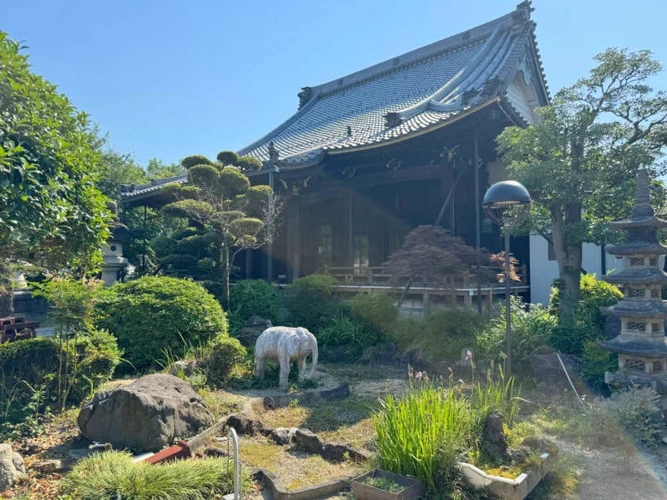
column 17, row 328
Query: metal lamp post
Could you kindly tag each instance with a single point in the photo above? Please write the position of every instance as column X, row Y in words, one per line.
column 498, row 200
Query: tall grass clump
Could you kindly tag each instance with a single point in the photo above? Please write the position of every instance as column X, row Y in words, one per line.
column 424, row 433
column 113, row 474
column 421, row 434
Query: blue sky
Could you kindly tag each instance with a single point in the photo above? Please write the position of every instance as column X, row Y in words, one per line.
column 170, row 78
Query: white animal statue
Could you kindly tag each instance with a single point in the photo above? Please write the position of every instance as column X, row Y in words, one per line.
column 286, row 345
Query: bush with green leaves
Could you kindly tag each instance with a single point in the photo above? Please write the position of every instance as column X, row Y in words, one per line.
column 310, row 301
column 588, row 322
column 595, row 362
column 221, row 356
column 376, row 310
column 442, row 334
column 153, row 317
column 30, row 370
column 114, row 474
column 254, row 298
column 532, row 325
column 636, row 410
column 343, row 330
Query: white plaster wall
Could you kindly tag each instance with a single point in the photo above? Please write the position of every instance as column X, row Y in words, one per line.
column 544, row 271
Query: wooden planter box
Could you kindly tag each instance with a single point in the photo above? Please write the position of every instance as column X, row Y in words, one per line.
column 412, row 487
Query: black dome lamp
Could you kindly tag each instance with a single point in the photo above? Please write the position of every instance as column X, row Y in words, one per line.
column 504, row 203
column 502, row 196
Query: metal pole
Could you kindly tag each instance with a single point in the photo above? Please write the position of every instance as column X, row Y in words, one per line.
column 269, row 250
column 508, row 315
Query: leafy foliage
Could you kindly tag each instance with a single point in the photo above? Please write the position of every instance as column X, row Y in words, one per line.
column 248, row 163
column 190, row 161
column 442, row 334
column 342, row 330
column 636, row 410
column 152, row 316
column 310, row 301
column 114, row 474
column 587, row 325
column 532, row 327
column 376, row 310
column 219, row 199
column 580, row 161
column 223, row 354
column 433, row 256
column 30, row 368
column 255, row 298
column 52, row 210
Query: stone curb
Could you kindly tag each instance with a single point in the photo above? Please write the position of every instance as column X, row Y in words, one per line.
column 316, row 491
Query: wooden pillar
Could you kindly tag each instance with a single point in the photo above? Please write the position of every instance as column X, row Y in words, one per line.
column 293, row 235
column 350, row 231
column 426, row 299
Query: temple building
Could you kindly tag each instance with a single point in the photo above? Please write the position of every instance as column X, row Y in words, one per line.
column 641, row 344
column 412, row 140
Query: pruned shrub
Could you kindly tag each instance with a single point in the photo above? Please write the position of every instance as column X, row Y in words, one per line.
column 254, row 298
column 376, row 310
column 192, row 160
column 595, row 362
column 222, row 355
column 155, row 316
column 248, row 163
column 310, row 301
column 228, row 158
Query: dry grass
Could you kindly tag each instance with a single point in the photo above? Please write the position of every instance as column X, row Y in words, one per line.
column 294, row 469
column 221, row 403
column 346, row 421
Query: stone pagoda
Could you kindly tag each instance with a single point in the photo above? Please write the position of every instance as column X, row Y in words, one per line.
column 641, row 346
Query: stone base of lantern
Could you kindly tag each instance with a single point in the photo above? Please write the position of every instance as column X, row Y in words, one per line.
column 110, row 268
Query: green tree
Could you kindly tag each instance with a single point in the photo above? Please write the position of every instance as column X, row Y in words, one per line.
column 157, row 169
column 116, row 169
column 51, row 210
column 580, row 161
column 219, row 198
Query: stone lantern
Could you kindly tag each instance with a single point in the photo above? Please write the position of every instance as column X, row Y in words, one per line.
column 641, row 346
column 112, row 252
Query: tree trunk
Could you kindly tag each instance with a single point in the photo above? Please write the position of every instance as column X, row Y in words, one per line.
column 569, row 257
column 227, row 271
column 6, row 290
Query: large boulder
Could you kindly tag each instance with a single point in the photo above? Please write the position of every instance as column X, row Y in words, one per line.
column 252, row 329
column 11, row 467
column 145, row 415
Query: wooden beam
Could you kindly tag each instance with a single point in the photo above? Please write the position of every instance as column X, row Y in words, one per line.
column 333, row 188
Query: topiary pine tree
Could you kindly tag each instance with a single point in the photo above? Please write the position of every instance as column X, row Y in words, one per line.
column 219, row 200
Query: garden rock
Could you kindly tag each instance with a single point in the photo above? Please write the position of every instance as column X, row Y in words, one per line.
column 493, row 441
column 244, row 425
column 145, row 415
column 252, row 328
column 11, row 467
column 48, row 466
column 309, row 441
column 283, row 435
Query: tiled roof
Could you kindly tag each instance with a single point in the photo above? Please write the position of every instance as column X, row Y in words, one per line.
column 409, row 93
